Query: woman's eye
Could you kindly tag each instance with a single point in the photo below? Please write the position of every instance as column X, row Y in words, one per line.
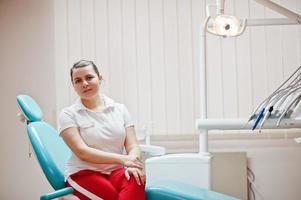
column 77, row 81
column 90, row 78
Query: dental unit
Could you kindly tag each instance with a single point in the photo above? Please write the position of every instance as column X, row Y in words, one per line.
column 284, row 102
column 199, row 164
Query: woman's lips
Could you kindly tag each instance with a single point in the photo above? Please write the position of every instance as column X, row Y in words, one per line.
column 87, row 90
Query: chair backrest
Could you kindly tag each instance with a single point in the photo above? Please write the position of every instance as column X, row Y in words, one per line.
column 50, row 149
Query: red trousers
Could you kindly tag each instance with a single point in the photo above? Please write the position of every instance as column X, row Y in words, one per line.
column 94, row 185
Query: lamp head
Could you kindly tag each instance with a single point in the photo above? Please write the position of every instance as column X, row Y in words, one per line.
column 225, row 25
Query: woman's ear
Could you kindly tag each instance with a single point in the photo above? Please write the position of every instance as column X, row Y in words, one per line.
column 100, row 79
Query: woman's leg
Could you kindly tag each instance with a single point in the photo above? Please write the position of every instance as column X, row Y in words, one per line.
column 90, row 184
column 128, row 189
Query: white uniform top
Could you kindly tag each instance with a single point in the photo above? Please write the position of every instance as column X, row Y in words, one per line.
column 103, row 129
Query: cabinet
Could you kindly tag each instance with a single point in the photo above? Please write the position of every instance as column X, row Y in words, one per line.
column 229, row 173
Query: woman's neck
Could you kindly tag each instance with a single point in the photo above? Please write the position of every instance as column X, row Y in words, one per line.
column 93, row 103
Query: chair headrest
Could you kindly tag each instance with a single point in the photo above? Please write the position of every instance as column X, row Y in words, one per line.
column 30, row 108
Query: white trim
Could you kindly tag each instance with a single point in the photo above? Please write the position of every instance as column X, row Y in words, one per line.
column 83, row 190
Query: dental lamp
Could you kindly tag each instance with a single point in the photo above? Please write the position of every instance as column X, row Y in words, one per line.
column 223, row 25
column 227, row 25
column 230, row 26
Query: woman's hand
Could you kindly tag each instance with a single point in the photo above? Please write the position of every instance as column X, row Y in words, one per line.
column 132, row 161
column 138, row 174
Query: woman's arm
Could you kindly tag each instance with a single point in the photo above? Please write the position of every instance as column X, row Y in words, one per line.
column 131, row 144
column 132, row 147
column 75, row 142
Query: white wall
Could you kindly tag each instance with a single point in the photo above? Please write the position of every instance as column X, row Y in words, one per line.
column 27, row 67
column 148, row 52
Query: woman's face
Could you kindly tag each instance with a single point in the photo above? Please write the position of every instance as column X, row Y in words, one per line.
column 85, row 82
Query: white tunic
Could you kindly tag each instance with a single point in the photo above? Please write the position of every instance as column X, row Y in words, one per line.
column 103, row 129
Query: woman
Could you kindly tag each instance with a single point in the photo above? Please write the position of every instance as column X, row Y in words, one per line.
column 97, row 130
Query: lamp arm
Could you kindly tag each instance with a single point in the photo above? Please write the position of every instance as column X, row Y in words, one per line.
column 220, row 7
column 279, row 9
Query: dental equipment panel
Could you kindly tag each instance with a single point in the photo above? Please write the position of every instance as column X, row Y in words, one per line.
column 280, row 110
column 283, row 103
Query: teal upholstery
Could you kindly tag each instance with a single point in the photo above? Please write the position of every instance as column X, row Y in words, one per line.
column 52, row 154
column 50, row 149
column 175, row 190
column 30, row 108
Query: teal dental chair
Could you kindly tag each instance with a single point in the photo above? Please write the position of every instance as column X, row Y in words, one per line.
column 52, row 154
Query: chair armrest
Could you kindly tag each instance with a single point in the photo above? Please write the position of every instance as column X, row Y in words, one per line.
column 57, row 193
column 152, row 150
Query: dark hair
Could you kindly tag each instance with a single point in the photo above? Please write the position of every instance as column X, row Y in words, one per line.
column 81, row 64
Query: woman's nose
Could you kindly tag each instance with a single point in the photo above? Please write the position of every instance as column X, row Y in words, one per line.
column 85, row 83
